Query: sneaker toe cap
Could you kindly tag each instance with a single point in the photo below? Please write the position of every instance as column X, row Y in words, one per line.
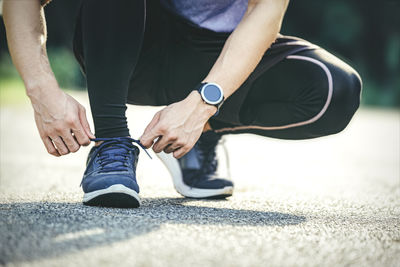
column 104, row 181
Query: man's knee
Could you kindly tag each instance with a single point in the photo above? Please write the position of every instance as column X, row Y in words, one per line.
column 347, row 86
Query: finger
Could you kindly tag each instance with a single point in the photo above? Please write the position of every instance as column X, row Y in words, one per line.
column 150, row 133
column 59, row 144
column 166, row 140
column 50, row 146
column 181, row 152
column 70, row 141
column 148, row 140
column 188, row 145
column 145, row 138
column 85, row 123
column 161, row 143
column 152, row 123
column 81, row 137
column 171, row 148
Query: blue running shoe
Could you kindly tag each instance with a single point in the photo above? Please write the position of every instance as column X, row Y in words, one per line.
column 110, row 176
column 195, row 174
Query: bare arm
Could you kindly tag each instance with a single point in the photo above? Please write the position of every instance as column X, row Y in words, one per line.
column 247, row 44
column 60, row 119
column 26, row 36
column 179, row 125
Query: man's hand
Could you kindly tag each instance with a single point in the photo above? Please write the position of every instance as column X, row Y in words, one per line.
column 61, row 121
column 178, row 126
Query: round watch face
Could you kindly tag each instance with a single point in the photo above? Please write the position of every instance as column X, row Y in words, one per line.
column 212, row 93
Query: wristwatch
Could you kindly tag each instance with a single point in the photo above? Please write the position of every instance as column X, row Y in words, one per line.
column 212, row 94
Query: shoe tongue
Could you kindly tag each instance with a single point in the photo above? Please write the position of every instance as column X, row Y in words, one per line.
column 191, row 161
column 116, row 147
column 113, row 143
column 116, row 150
column 115, row 157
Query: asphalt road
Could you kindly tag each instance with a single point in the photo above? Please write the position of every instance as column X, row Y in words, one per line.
column 332, row 201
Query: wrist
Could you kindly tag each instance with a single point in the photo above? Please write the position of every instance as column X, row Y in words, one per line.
column 201, row 106
column 37, row 86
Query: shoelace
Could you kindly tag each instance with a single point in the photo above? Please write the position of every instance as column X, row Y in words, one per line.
column 113, row 152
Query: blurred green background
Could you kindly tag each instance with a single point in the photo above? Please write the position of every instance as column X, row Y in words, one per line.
column 364, row 33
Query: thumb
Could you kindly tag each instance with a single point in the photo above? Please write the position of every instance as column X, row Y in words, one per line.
column 85, row 123
column 147, row 137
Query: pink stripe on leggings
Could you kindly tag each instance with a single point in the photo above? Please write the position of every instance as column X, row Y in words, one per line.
column 297, row 124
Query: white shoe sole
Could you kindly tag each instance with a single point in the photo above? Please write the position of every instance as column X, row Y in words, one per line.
column 174, row 169
column 117, row 195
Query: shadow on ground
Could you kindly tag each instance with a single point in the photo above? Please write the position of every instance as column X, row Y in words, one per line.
column 36, row 230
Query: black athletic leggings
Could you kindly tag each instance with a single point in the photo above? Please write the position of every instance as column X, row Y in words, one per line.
column 138, row 53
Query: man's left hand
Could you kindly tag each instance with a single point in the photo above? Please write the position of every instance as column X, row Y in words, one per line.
column 178, row 126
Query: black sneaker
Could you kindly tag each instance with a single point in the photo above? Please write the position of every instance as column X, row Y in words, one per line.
column 195, row 174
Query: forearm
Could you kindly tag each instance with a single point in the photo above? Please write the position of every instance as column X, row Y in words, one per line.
column 180, row 124
column 26, row 36
column 247, row 44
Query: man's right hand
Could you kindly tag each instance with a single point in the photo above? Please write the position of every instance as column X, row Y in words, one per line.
column 61, row 121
